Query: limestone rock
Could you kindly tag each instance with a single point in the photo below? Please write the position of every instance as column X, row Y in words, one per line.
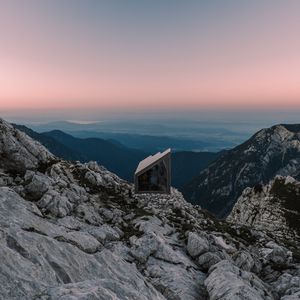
column 144, row 247
column 245, row 261
column 196, row 245
column 55, row 203
column 226, row 282
column 208, row 259
column 274, row 207
column 18, row 152
column 38, row 186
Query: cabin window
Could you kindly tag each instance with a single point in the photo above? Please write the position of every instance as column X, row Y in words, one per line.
column 154, row 179
column 153, row 174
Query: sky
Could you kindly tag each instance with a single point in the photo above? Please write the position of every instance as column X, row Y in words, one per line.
column 114, row 55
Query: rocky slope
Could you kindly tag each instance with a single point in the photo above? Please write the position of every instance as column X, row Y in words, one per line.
column 77, row 231
column 274, row 207
column 270, row 152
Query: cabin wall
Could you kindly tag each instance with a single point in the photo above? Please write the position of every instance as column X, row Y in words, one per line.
column 156, row 178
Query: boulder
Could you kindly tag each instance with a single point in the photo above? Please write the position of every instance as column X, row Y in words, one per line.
column 38, row 186
column 227, row 282
column 56, row 204
column 245, row 261
column 208, row 259
column 143, row 247
column 196, row 245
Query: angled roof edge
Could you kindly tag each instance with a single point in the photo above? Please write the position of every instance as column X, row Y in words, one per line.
column 150, row 160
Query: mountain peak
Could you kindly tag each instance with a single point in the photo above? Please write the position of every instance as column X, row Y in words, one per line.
column 270, row 152
column 277, row 133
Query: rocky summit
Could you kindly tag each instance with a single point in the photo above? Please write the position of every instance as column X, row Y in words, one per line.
column 270, row 152
column 76, row 231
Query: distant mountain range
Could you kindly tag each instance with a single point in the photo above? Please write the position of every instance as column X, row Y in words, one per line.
column 270, row 152
column 57, row 148
column 152, row 136
column 116, row 157
column 147, row 143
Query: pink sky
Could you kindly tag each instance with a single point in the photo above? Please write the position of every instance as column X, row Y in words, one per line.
column 58, row 56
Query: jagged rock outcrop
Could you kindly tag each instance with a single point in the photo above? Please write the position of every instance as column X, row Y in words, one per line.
column 77, row 231
column 274, row 207
column 270, row 152
column 18, row 152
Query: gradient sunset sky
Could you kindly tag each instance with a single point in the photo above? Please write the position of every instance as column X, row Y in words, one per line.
column 115, row 54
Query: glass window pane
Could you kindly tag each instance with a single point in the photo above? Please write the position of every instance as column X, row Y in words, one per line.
column 155, row 179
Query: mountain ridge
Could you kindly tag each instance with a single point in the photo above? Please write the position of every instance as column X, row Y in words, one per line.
column 270, row 152
column 77, row 231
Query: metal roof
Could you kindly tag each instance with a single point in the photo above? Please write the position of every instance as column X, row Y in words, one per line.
column 148, row 161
